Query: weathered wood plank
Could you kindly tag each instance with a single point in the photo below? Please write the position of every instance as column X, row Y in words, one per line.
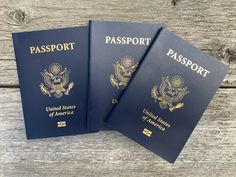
column 208, row 25
column 211, row 150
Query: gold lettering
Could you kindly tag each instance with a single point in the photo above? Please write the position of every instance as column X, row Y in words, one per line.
column 155, row 120
column 127, row 40
column 32, row 49
column 72, row 45
column 37, row 50
column 52, row 48
column 188, row 63
column 66, row 46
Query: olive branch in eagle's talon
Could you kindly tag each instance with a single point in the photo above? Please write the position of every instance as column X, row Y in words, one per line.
column 44, row 90
column 70, row 86
column 154, row 93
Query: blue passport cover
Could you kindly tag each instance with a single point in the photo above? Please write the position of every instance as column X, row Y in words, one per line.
column 116, row 48
column 167, row 96
column 53, row 75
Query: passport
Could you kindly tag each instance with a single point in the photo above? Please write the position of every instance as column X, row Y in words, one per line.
column 116, row 48
column 167, row 95
column 52, row 67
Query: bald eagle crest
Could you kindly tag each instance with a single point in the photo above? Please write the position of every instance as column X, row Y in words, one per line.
column 56, row 81
column 170, row 91
column 123, row 72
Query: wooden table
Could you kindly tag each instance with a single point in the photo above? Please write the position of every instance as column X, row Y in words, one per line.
column 211, row 150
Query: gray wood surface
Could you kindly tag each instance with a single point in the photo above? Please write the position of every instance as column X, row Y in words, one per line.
column 211, row 150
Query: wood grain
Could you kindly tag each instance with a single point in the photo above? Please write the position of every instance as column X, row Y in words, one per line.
column 211, row 150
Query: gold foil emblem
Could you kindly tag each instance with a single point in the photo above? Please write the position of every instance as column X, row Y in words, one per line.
column 123, row 72
column 147, row 132
column 56, row 81
column 171, row 91
column 61, row 124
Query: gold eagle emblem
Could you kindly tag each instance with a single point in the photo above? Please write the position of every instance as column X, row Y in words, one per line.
column 171, row 91
column 55, row 81
column 123, row 72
